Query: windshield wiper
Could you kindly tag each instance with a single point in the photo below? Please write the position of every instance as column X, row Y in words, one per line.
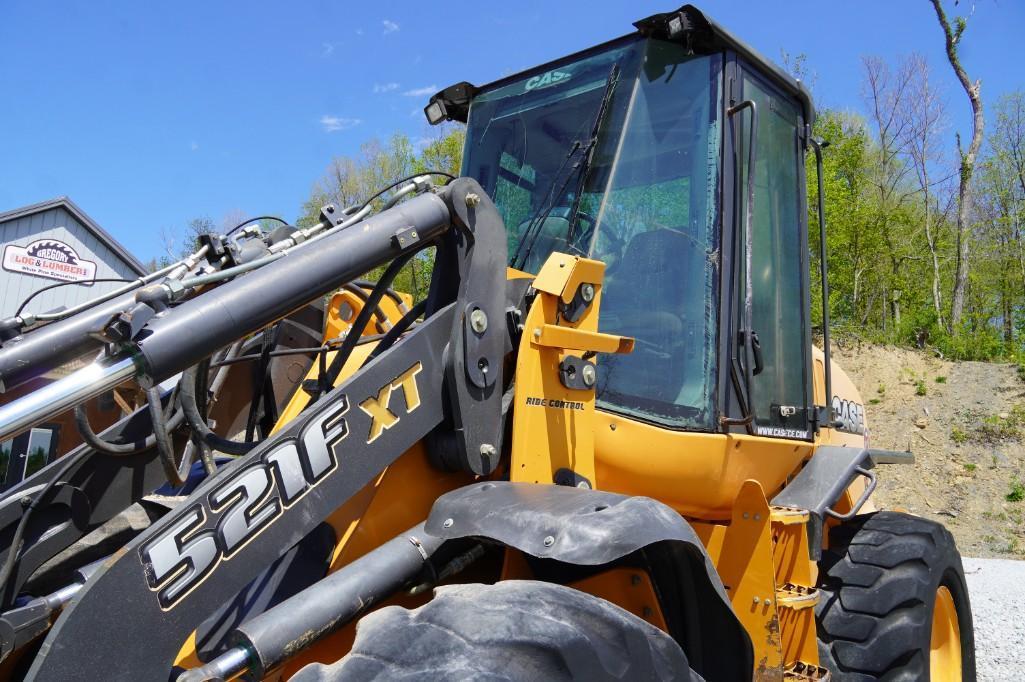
column 533, row 230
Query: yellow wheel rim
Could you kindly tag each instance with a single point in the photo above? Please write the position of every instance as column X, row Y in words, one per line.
column 945, row 643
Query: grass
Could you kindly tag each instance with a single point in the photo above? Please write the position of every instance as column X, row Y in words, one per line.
column 1004, row 426
column 881, row 390
column 1017, row 491
column 941, row 380
column 970, row 467
column 874, row 401
column 920, row 388
column 990, row 429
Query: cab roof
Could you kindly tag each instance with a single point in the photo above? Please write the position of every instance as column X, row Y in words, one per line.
column 687, row 25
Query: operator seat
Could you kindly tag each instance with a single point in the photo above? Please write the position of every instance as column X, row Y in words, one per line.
column 648, row 298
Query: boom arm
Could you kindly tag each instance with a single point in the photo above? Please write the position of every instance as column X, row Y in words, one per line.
column 165, row 580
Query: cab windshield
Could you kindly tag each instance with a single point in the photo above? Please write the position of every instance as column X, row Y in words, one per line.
column 616, row 156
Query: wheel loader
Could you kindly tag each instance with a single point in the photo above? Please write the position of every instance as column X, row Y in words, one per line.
column 603, row 446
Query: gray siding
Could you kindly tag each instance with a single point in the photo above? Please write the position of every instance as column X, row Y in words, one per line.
column 59, row 224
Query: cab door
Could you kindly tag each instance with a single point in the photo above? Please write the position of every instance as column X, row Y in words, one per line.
column 779, row 284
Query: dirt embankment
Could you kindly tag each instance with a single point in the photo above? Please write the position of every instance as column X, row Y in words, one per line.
column 965, row 422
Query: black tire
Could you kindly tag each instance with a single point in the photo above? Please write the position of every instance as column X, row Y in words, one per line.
column 512, row 630
column 879, row 580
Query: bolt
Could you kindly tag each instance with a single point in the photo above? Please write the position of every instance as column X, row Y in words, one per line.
column 756, row 600
column 472, row 200
column 588, row 375
column 758, row 517
column 635, row 579
column 745, row 515
column 587, row 292
column 330, row 209
column 448, row 523
column 537, row 333
column 612, row 427
column 549, row 541
column 478, row 321
column 487, row 450
column 647, row 612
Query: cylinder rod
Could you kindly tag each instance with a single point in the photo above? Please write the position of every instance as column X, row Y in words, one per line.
column 51, row 400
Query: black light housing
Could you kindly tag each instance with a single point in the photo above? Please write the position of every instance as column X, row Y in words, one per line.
column 435, row 112
column 451, row 104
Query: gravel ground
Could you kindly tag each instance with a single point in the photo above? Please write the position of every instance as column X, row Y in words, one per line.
column 996, row 588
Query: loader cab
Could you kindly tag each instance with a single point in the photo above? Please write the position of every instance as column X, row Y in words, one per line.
column 632, row 153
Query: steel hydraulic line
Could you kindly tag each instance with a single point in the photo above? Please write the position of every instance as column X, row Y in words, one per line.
column 277, row 251
column 192, row 330
column 171, row 271
column 67, row 336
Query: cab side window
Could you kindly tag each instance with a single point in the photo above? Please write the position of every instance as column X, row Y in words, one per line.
column 779, row 391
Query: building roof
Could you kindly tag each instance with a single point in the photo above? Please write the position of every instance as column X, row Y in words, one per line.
column 71, row 207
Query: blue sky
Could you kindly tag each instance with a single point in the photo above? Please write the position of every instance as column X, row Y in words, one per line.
column 148, row 114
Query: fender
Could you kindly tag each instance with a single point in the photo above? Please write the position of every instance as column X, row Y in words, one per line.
column 592, row 528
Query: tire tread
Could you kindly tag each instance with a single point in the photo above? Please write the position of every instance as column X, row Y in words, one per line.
column 878, row 581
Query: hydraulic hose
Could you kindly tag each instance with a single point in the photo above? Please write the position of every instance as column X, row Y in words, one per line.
column 165, row 447
column 197, row 423
column 390, row 293
column 185, row 335
column 220, row 376
column 100, row 444
column 356, row 290
column 389, row 339
column 360, row 323
column 14, row 549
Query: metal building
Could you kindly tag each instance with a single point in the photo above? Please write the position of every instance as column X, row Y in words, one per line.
column 53, row 242
column 42, row 245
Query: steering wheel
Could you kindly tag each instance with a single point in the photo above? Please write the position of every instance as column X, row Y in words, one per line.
column 585, row 234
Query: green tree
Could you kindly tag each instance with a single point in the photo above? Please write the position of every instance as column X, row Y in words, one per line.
column 350, row 181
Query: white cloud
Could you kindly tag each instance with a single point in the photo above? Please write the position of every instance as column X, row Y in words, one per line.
column 421, row 92
column 385, row 87
column 389, row 26
column 327, row 49
column 359, row 31
column 193, row 145
column 335, row 123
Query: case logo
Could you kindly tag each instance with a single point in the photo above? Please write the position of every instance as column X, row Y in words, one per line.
column 850, row 414
column 553, row 77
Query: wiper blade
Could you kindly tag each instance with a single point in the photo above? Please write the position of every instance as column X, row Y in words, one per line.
column 592, row 145
column 533, row 230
